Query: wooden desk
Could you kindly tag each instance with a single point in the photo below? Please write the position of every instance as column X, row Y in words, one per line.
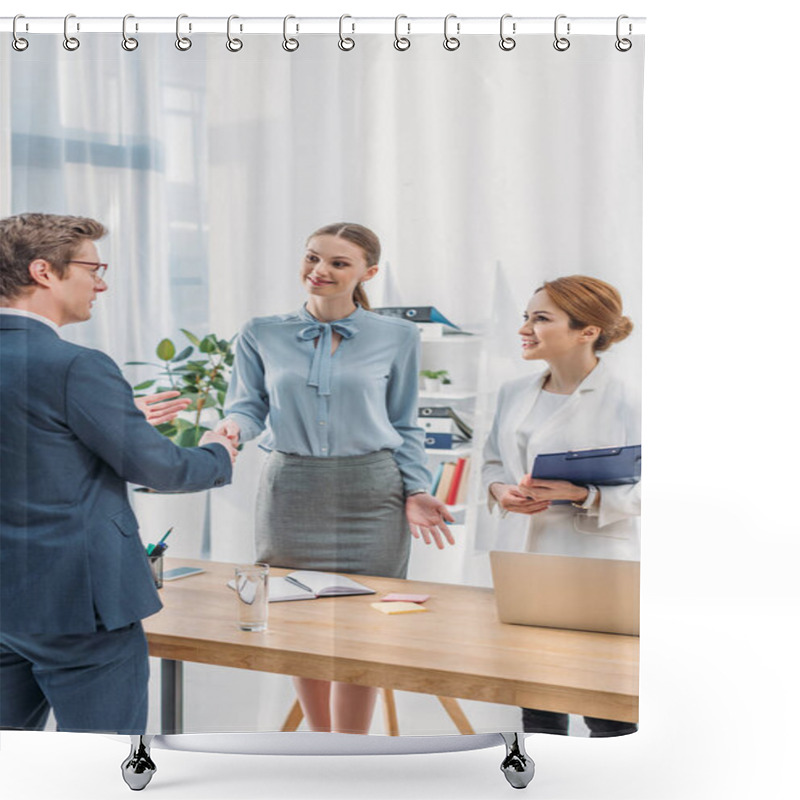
column 457, row 649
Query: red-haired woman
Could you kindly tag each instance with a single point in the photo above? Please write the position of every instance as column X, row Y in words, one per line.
column 575, row 403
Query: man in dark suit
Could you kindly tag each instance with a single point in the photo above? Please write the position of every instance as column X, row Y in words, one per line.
column 75, row 581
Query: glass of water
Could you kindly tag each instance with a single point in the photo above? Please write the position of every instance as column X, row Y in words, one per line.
column 251, row 596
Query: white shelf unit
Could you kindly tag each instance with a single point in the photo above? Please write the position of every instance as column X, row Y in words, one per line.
column 444, row 395
column 456, row 452
column 463, row 357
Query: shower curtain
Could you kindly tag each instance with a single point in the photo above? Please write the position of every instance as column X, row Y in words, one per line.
column 486, row 170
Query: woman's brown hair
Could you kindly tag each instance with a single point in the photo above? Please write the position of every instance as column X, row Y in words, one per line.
column 360, row 236
column 590, row 301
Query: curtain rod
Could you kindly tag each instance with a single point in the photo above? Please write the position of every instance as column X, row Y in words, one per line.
column 348, row 25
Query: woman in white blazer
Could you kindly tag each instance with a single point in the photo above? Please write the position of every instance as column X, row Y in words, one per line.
column 575, row 402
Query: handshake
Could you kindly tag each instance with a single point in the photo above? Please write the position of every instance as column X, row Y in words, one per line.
column 165, row 406
column 226, row 434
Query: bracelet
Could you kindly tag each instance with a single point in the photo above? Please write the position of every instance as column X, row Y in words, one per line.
column 590, row 498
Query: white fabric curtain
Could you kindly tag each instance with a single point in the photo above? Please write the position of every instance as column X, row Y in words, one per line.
column 103, row 133
column 530, row 159
column 484, row 173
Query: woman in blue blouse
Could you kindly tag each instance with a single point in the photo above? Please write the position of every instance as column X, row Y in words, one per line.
column 335, row 387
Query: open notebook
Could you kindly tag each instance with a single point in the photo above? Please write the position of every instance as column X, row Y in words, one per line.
column 307, row 585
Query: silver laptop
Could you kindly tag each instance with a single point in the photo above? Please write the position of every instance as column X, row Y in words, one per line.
column 584, row 594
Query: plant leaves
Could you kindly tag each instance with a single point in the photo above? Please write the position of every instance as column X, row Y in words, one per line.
column 185, row 353
column 165, row 350
column 191, row 337
column 143, row 385
column 207, row 345
column 190, row 437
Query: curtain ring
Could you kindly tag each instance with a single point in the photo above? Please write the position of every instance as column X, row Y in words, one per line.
column 70, row 42
column 507, row 42
column 183, row 43
column 451, row 42
column 561, row 43
column 346, row 43
column 623, row 45
column 401, row 42
column 128, row 42
column 19, row 44
column 234, row 45
column 289, row 45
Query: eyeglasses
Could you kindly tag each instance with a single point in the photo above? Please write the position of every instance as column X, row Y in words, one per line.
column 98, row 268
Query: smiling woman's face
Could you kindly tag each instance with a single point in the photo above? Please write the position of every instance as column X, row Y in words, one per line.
column 545, row 331
column 333, row 267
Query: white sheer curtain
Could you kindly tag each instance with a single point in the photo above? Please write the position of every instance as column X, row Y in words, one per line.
column 484, row 172
column 117, row 136
column 460, row 160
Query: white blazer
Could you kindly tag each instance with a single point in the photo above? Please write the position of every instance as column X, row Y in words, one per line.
column 602, row 412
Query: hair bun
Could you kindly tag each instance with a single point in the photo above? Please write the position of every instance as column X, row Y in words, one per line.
column 621, row 330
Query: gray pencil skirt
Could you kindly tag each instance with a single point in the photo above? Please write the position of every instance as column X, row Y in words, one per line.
column 336, row 514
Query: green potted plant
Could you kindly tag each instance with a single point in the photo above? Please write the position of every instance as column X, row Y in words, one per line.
column 434, row 379
column 202, row 375
column 200, row 371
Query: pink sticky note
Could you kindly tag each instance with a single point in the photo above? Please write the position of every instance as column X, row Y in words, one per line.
column 396, row 597
column 398, row 608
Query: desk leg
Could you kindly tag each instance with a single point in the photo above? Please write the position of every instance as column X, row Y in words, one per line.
column 171, row 696
column 517, row 766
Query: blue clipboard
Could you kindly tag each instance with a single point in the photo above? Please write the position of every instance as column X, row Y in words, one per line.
column 605, row 466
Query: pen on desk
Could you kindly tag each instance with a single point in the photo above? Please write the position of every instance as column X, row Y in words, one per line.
column 298, row 583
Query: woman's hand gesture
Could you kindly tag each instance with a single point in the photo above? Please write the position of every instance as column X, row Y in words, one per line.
column 426, row 518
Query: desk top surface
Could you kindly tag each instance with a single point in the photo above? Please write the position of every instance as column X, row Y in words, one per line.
column 457, row 648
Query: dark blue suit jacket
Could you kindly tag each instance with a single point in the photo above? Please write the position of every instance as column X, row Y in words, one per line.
column 70, row 438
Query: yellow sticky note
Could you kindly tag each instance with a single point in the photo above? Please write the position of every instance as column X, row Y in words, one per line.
column 398, row 608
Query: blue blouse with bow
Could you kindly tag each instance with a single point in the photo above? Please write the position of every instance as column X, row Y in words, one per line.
column 358, row 400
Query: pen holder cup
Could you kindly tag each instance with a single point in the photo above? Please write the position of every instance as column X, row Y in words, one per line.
column 157, row 568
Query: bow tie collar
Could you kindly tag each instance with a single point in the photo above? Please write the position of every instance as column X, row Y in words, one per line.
column 320, row 374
